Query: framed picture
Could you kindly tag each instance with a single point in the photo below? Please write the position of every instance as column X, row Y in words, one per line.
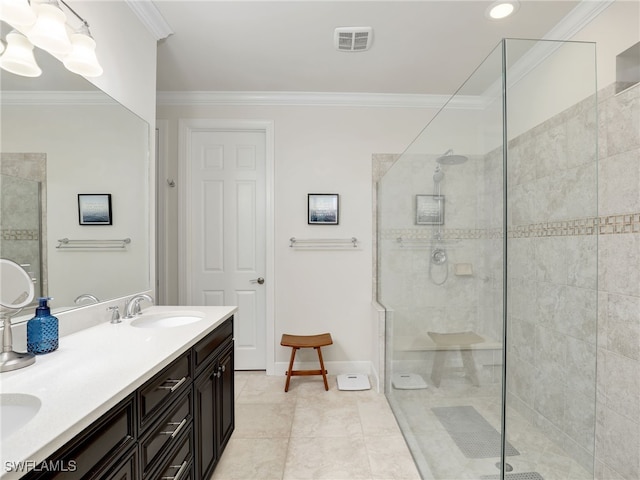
column 429, row 209
column 322, row 208
column 94, row 209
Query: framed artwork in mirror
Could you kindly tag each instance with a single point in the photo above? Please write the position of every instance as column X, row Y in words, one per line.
column 322, row 208
column 94, row 209
column 429, row 209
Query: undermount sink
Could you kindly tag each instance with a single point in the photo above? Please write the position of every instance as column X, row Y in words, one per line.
column 16, row 410
column 167, row 319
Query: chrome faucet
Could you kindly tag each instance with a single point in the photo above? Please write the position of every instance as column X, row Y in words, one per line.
column 86, row 296
column 115, row 314
column 132, row 306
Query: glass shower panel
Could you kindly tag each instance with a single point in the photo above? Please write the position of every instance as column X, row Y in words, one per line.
column 440, row 271
column 551, row 256
column 487, row 268
column 20, row 215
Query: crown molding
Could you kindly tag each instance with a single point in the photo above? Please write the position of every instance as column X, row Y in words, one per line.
column 151, row 18
column 25, row 97
column 577, row 19
column 315, row 99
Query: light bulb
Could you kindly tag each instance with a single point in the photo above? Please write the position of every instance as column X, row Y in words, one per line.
column 502, row 9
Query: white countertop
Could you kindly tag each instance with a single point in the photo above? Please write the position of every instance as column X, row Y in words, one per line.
column 91, row 372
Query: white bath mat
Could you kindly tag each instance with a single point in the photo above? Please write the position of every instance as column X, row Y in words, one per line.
column 353, row 381
column 408, row 381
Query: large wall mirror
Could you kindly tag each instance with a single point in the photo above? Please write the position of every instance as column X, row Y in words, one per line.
column 61, row 137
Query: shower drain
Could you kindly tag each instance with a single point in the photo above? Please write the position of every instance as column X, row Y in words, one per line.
column 507, row 467
column 515, row 476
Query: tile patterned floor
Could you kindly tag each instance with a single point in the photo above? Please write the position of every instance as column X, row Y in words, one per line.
column 308, row 433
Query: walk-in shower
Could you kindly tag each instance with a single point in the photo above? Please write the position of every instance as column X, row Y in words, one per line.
column 486, row 268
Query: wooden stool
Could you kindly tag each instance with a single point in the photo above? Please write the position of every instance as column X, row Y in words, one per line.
column 461, row 341
column 297, row 342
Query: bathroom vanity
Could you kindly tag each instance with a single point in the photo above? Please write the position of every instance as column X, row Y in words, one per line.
column 147, row 398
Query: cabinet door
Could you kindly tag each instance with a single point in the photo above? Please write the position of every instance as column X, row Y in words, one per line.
column 225, row 398
column 206, row 454
column 214, row 411
column 126, row 469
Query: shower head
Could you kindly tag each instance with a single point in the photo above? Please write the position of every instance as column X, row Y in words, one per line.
column 449, row 158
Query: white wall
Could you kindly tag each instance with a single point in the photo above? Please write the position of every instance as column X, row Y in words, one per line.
column 317, row 150
column 614, row 30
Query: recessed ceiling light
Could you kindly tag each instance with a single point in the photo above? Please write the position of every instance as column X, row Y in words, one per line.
column 502, row 9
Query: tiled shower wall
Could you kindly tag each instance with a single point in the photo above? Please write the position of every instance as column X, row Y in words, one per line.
column 561, row 315
column 552, row 278
column 23, row 206
column 618, row 347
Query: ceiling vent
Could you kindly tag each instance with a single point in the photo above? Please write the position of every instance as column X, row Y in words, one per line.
column 353, row 39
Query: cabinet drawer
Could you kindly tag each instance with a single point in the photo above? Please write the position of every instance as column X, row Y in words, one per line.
column 96, row 448
column 166, row 432
column 178, row 465
column 155, row 395
column 204, row 349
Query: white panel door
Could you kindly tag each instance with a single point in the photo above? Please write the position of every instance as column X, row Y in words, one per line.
column 227, row 199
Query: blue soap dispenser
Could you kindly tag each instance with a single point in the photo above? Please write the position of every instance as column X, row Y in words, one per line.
column 42, row 330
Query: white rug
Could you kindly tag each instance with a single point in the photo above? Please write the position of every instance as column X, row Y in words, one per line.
column 408, row 381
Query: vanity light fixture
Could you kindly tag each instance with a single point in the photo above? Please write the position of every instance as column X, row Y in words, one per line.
column 48, row 29
column 502, row 9
column 18, row 57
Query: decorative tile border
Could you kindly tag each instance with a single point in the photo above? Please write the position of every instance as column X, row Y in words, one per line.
column 614, row 224
column 604, row 225
column 11, row 234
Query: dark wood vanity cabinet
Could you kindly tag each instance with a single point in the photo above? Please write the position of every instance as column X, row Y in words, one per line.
column 175, row 426
column 213, row 399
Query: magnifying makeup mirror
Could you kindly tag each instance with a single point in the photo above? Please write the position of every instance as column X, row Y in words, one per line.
column 16, row 292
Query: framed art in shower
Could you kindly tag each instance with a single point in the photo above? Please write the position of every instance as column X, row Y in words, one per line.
column 94, row 209
column 322, row 208
column 429, row 209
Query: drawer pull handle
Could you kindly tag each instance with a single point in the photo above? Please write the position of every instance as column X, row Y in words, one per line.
column 178, row 428
column 178, row 475
column 174, row 386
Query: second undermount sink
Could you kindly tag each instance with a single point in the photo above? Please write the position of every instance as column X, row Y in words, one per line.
column 16, row 410
column 167, row 319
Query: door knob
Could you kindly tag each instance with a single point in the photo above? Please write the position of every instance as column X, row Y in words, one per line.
column 258, row 280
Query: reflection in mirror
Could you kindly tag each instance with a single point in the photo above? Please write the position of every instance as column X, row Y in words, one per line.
column 15, row 294
column 17, row 287
column 60, row 137
column 22, row 206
